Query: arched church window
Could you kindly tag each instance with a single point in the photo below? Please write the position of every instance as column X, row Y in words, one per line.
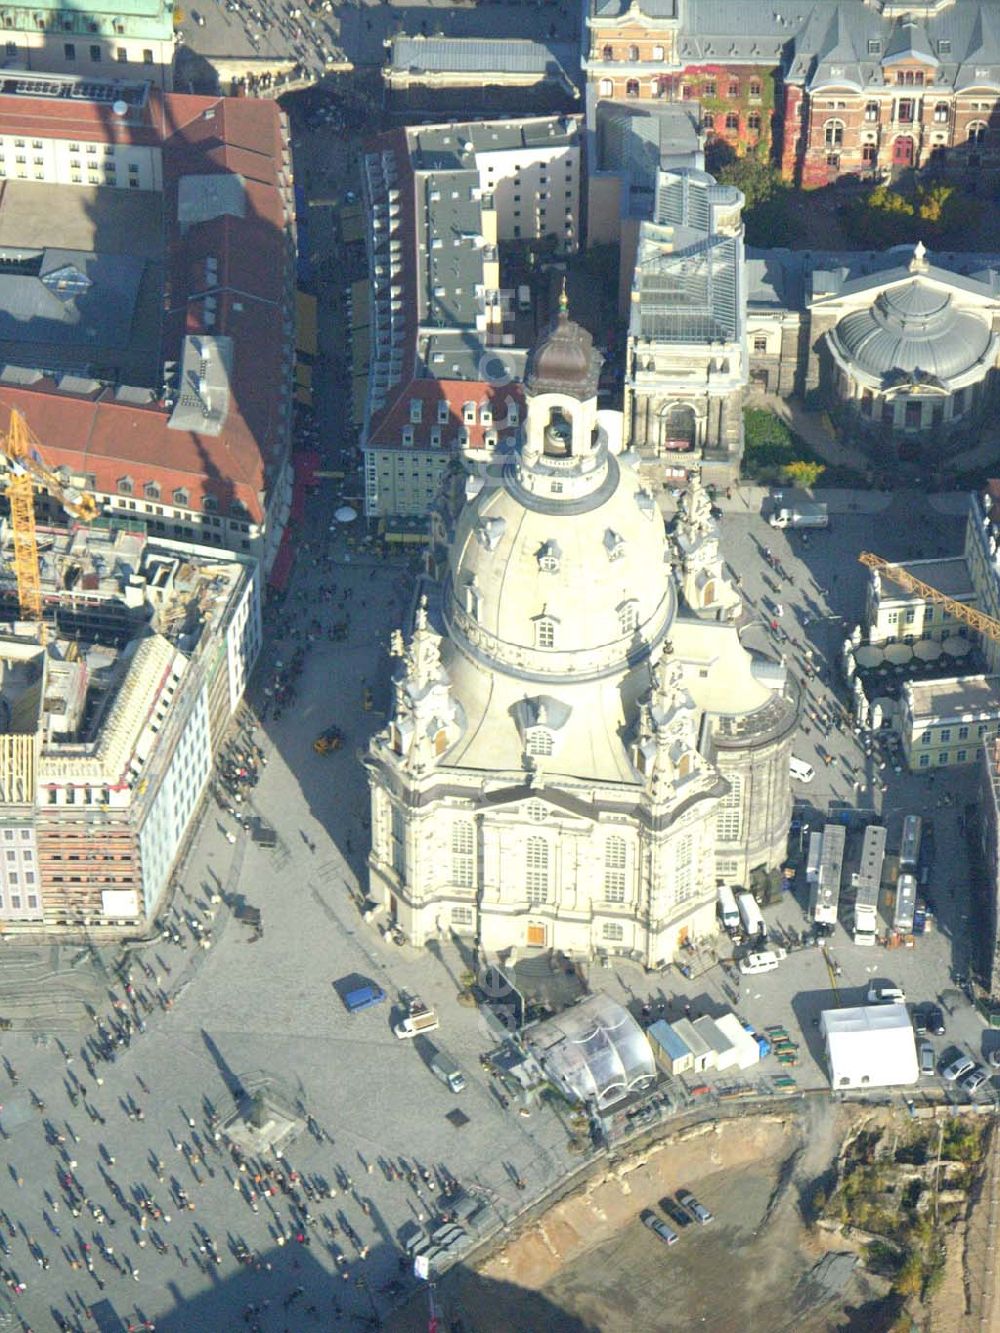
column 615, row 863
column 729, row 816
column 462, row 851
column 545, row 632
column 537, row 870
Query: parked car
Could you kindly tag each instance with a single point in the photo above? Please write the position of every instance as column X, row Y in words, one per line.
column 926, row 1058
column 994, row 1057
column 919, row 1022
column 974, row 1079
column 659, row 1227
column 958, row 1068
column 678, row 1215
column 697, row 1210
column 882, row 994
column 765, row 961
column 935, row 1020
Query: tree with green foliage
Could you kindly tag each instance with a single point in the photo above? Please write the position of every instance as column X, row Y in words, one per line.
column 766, row 213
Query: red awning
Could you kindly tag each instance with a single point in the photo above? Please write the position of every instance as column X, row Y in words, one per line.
column 281, row 570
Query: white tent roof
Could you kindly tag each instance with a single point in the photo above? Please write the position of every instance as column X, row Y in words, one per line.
column 747, row 1050
column 871, row 1046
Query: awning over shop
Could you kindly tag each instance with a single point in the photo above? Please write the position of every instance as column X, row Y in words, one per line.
column 304, row 475
column 305, row 324
column 361, row 347
column 352, row 223
column 405, row 531
column 359, row 392
column 361, row 304
column 281, row 570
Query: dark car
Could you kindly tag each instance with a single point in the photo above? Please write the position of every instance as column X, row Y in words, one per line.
column 697, row 1210
column 920, row 1022
column 934, row 1018
column 675, row 1212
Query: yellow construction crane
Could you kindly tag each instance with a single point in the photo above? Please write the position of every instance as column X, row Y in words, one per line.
column 28, row 469
column 968, row 615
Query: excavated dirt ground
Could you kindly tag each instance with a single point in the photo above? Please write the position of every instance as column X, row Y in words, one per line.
column 590, row 1266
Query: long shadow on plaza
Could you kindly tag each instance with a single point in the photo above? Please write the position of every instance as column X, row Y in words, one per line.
column 302, row 1293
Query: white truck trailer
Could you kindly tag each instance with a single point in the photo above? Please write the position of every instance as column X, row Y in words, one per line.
column 867, row 883
column 824, row 896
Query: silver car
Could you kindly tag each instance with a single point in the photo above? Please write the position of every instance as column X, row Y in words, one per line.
column 926, row 1058
column 659, row 1227
column 974, row 1079
column 958, row 1068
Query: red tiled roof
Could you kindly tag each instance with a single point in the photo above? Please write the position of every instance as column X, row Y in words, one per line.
column 388, row 431
column 200, row 135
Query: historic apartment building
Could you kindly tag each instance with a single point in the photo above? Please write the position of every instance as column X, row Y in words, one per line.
column 109, row 731
column 835, row 87
column 129, row 39
column 147, row 328
column 444, row 369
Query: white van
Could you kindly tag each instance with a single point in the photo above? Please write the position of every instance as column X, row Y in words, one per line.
column 729, row 913
column 767, row 961
column 800, row 770
column 751, row 916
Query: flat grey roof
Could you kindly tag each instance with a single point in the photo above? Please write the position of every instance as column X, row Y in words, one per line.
column 950, row 576
column 956, row 697
column 478, row 55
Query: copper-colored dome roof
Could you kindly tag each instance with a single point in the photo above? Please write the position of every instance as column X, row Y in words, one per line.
column 564, row 360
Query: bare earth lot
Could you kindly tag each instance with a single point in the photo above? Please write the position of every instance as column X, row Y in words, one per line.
column 590, row 1265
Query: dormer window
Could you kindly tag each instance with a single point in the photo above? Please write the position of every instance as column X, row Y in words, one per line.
column 126, row 486
column 539, row 742
column 490, row 439
column 472, row 599
column 512, row 412
column 435, row 437
column 545, row 632
column 442, row 413
column 416, row 411
column 614, row 544
column 210, row 504
column 182, row 498
column 628, row 617
column 486, row 415
column 407, row 435
column 549, row 558
column 469, row 413
column 151, row 490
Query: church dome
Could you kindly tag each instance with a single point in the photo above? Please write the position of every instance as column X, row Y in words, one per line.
column 912, row 330
column 572, row 585
column 564, row 360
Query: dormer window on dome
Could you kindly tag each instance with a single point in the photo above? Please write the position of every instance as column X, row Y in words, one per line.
column 489, row 532
column 545, row 630
column 614, row 544
column 549, row 558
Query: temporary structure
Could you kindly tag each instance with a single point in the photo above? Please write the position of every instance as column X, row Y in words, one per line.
column 871, row 1046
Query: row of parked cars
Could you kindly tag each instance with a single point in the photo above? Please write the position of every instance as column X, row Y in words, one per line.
column 682, row 1209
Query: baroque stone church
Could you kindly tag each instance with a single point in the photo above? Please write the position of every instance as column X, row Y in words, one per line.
column 581, row 745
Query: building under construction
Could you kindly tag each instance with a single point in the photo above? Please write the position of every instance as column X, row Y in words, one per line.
column 109, row 719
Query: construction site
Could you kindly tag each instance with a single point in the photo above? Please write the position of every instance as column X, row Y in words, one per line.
column 122, row 660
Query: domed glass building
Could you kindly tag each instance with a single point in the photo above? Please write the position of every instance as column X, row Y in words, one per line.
column 581, row 745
